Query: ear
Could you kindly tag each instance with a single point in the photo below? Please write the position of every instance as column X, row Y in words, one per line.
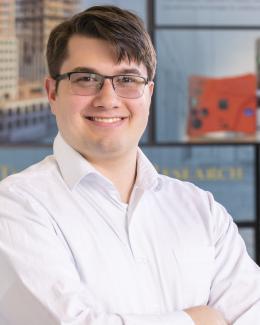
column 50, row 87
column 151, row 87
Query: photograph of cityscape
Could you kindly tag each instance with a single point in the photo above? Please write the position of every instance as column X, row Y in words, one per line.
column 25, row 115
column 24, row 29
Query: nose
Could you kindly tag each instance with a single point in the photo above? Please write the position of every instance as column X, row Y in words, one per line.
column 106, row 97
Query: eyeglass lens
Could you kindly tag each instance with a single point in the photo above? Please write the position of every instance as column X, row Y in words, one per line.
column 86, row 84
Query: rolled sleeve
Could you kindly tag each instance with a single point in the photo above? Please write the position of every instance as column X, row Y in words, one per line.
column 235, row 290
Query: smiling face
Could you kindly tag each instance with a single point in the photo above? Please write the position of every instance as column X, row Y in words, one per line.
column 100, row 126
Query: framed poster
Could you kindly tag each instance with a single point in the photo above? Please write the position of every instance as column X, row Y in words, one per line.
column 208, row 70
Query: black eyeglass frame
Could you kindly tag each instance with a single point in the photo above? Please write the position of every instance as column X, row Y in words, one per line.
column 67, row 75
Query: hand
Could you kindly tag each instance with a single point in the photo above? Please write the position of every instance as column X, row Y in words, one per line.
column 204, row 315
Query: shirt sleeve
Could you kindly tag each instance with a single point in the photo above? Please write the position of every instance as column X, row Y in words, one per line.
column 177, row 318
column 39, row 281
column 235, row 290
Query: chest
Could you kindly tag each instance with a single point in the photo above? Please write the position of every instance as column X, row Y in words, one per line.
column 139, row 260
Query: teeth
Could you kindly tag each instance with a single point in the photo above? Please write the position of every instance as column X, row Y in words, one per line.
column 106, row 120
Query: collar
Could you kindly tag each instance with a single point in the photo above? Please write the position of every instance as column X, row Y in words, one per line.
column 147, row 176
column 74, row 167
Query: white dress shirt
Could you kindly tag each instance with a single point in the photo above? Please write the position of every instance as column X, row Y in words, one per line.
column 72, row 253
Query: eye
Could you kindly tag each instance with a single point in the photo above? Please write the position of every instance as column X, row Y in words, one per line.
column 78, row 79
column 84, row 78
column 129, row 81
column 126, row 79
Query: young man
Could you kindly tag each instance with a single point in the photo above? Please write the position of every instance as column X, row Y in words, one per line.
column 93, row 235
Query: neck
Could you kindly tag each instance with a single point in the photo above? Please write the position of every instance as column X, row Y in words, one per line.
column 121, row 172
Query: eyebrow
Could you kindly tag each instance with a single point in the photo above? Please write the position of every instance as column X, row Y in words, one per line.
column 92, row 70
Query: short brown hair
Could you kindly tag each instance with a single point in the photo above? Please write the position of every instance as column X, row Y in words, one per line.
column 121, row 28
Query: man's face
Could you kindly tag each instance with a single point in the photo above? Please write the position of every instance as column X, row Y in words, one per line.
column 103, row 125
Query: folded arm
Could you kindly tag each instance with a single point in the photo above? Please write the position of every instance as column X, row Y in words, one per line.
column 41, row 285
column 235, row 289
column 204, row 315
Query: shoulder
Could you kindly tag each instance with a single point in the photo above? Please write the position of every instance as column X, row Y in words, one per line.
column 34, row 176
column 25, row 195
column 189, row 197
column 196, row 202
column 183, row 189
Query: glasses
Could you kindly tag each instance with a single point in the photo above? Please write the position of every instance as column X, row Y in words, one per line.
column 87, row 84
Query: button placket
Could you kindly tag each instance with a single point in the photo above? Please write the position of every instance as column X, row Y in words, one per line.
column 145, row 273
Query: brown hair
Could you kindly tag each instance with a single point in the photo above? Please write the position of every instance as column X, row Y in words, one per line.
column 121, row 28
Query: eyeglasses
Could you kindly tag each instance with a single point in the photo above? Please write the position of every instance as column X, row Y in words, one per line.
column 87, row 84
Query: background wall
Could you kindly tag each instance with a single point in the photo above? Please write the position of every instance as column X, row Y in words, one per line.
column 209, row 40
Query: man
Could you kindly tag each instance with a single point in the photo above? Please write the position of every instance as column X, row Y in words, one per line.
column 92, row 235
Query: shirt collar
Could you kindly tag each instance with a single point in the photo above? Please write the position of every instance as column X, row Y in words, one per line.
column 74, row 167
column 72, row 164
column 147, row 176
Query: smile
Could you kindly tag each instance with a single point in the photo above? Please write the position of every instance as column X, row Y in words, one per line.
column 105, row 119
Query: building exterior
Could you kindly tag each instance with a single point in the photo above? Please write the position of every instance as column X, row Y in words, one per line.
column 25, row 26
column 7, row 17
column 8, row 51
column 25, row 120
column 34, row 21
